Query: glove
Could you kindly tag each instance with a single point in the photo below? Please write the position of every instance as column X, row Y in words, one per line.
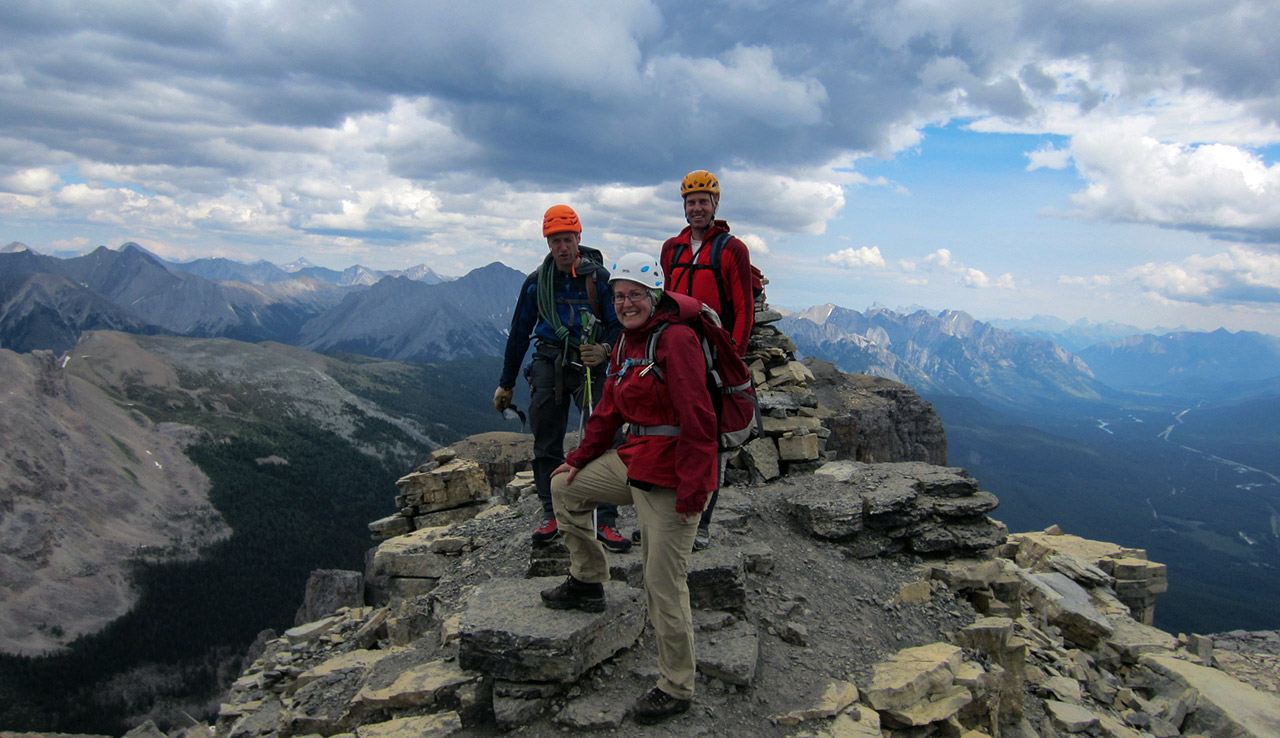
column 501, row 399
column 594, row 354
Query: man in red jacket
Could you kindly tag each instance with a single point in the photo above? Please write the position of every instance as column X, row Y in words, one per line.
column 708, row 263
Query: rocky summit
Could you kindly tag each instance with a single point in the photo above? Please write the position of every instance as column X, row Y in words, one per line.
column 856, row 587
column 855, row 600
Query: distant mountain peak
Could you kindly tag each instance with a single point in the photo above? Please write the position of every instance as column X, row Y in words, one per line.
column 297, row 264
column 14, row 247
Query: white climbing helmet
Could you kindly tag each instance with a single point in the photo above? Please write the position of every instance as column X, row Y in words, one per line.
column 640, row 268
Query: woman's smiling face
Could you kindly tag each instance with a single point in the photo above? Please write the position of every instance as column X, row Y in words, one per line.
column 632, row 302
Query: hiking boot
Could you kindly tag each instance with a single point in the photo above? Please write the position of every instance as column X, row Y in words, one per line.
column 572, row 594
column 635, row 536
column 657, row 705
column 612, row 539
column 546, row 532
column 701, row 539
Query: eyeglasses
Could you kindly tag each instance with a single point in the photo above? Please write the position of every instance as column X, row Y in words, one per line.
column 634, row 297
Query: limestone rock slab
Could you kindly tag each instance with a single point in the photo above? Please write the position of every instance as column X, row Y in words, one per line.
column 730, row 654
column 507, row 633
column 829, row 510
column 912, row 674
column 426, row 726
column 1226, row 706
column 717, row 579
column 1067, row 605
column 412, row 555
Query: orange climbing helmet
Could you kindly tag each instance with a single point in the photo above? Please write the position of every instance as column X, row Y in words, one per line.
column 700, row 180
column 558, row 219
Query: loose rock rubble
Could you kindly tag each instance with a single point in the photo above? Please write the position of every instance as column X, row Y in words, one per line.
column 799, row 633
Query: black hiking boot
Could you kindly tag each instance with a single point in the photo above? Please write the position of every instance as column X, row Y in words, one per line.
column 574, row 595
column 657, row 706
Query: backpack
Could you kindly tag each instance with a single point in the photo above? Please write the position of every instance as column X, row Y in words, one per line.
column 717, row 249
column 728, row 381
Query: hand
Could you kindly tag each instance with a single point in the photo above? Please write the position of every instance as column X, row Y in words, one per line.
column 594, row 354
column 686, row 517
column 501, row 399
column 565, row 468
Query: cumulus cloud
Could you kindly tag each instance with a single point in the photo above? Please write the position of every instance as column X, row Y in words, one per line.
column 30, row 181
column 1240, row 276
column 1215, row 187
column 851, row 258
column 1048, row 157
column 913, row 271
column 332, row 125
column 942, row 262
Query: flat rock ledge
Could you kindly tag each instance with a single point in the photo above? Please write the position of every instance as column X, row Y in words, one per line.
column 877, row 509
column 505, row 631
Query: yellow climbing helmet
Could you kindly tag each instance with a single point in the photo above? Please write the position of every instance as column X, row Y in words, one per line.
column 700, row 180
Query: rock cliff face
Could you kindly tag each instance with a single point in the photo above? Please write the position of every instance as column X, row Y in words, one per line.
column 875, row 419
column 88, row 486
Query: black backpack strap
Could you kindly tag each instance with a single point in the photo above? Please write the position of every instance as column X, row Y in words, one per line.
column 651, row 351
column 726, row 307
column 593, row 298
column 686, row 272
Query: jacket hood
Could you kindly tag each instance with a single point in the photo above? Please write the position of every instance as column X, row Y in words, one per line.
column 677, row 308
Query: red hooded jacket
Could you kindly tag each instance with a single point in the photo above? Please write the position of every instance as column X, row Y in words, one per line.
column 685, row 462
column 735, row 270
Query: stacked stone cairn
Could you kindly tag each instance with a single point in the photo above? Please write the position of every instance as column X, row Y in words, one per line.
column 793, row 434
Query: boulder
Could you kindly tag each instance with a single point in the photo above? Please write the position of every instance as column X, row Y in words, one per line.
column 507, row 633
column 730, row 654
column 717, row 579
column 911, row 675
column 327, row 590
column 1224, row 706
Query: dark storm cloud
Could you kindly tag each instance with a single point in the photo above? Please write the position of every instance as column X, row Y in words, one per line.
column 558, row 95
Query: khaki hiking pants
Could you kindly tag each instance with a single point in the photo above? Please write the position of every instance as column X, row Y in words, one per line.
column 665, row 545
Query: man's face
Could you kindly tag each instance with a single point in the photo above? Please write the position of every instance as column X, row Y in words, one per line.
column 564, row 249
column 700, row 210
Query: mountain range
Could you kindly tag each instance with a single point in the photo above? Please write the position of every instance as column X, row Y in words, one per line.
column 948, row 353
column 46, row 302
column 951, row 353
column 1074, row 336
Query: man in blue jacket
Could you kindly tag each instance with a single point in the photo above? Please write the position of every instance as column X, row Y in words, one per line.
column 566, row 309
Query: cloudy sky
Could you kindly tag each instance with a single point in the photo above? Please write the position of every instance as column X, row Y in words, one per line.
column 1100, row 159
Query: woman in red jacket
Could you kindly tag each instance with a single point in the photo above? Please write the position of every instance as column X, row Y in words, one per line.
column 666, row 468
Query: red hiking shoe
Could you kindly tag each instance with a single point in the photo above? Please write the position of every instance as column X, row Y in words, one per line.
column 546, row 532
column 612, row 539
